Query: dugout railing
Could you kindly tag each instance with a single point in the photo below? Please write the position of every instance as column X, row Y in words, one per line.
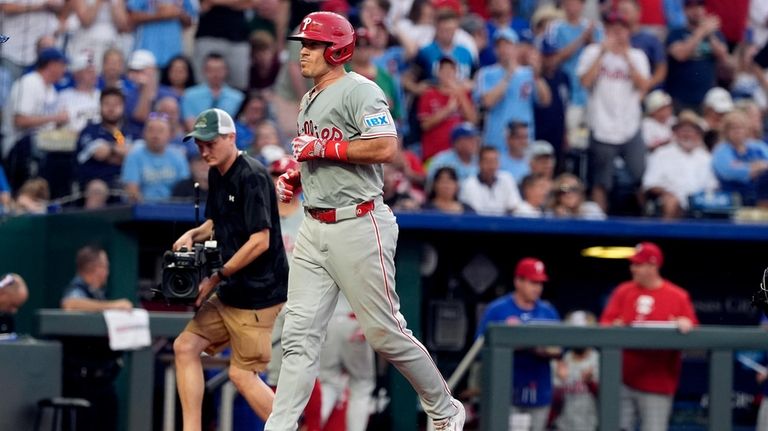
column 719, row 341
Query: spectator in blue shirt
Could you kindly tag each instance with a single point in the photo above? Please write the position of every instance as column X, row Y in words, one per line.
column 159, row 26
column 508, row 91
column 516, row 158
column 462, row 157
column 213, row 93
column 113, row 71
column 151, row 169
column 532, row 375
column 427, row 61
column 141, row 94
column 501, row 17
column 568, row 37
column 740, row 162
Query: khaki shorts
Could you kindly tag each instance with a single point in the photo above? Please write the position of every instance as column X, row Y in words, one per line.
column 248, row 331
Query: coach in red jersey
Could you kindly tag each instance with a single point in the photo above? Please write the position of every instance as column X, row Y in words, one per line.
column 650, row 376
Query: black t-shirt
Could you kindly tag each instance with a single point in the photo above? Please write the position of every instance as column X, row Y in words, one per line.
column 224, row 23
column 241, row 203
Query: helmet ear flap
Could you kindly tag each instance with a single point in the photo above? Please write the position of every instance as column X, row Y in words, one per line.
column 338, row 56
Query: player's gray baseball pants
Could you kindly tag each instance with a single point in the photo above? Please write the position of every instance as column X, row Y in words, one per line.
column 356, row 256
column 653, row 410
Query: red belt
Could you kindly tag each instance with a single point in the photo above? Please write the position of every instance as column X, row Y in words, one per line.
column 333, row 215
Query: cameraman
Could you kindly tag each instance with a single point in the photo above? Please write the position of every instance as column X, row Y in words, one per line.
column 252, row 282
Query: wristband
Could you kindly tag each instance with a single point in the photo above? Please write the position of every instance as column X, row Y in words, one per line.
column 336, row 150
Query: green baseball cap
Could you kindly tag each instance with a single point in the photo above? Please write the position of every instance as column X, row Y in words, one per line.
column 210, row 124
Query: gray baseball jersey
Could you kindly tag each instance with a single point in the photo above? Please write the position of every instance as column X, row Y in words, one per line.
column 354, row 256
column 362, row 114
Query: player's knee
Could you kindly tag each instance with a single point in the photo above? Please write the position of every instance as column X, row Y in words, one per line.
column 184, row 347
column 384, row 341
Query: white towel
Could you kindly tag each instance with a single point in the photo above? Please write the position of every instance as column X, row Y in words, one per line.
column 128, row 330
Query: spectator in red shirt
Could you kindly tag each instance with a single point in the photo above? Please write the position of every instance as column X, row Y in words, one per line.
column 442, row 107
column 650, row 377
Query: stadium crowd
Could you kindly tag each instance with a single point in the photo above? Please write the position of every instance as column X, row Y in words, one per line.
column 530, row 108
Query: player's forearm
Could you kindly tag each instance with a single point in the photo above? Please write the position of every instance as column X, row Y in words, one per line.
column 22, row 121
column 468, row 110
column 86, row 304
column 564, row 54
column 256, row 245
column 133, row 191
column 590, row 76
column 375, row 150
column 492, row 97
column 683, row 50
column 543, row 93
column 120, row 16
column 85, row 14
column 202, row 232
column 659, row 75
column 138, row 17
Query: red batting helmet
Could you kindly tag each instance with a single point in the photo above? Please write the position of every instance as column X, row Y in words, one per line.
column 282, row 165
column 332, row 29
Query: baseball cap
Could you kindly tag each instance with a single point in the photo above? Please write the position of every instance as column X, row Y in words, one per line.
column 282, row 165
column 545, row 13
column 48, row 55
column 453, row 5
column 210, row 124
column 541, row 147
column 506, row 34
column 719, row 99
column 647, row 252
column 463, row 130
column 532, row 269
column 656, row 100
column 141, row 59
column 689, row 117
column 80, row 62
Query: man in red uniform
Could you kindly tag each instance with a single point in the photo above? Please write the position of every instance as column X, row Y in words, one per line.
column 650, row 376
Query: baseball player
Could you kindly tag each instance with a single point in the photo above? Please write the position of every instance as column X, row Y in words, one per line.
column 347, row 241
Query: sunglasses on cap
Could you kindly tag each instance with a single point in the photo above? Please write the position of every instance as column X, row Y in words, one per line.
column 569, row 188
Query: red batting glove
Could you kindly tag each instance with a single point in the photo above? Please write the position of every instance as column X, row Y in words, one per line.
column 306, row 147
column 288, row 185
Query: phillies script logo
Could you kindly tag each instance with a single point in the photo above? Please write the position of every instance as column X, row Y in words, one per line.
column 325, row 133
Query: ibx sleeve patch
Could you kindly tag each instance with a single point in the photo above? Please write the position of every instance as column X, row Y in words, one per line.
column 378, row 119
